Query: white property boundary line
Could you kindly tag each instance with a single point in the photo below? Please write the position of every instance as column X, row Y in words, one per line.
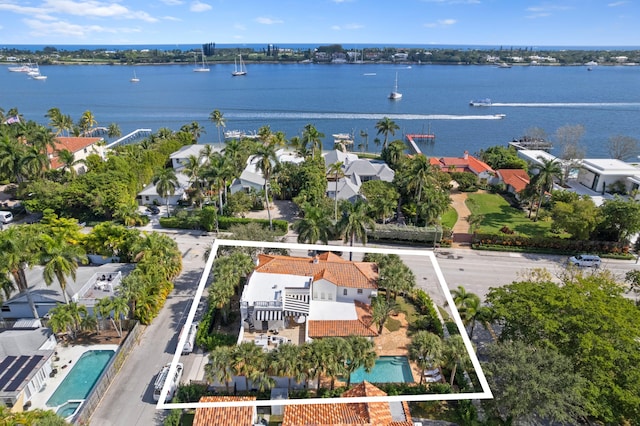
column 485, row 394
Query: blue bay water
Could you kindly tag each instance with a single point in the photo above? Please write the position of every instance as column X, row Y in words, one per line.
column 345, row 98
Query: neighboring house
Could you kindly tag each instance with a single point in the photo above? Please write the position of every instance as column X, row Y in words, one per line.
column 226, row 416
column 327, row 293
column 600, row 174
column 86, row 289
column 149, row 195
column 252, row 179
column 356, row 171
column 81, row 147
column 534, row 157
column 26, row 357
column 466, row 163
column 392, row 413
column 180, row 157
column 516, row 180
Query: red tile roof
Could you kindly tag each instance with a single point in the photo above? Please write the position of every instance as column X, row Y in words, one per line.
column 225, row 416
column 363, row 326
column 347, row 414
column 518, row 179
column 330, row 267
column 73, row 144
column 468, row 163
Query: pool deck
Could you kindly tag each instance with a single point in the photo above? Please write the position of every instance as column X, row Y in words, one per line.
column 397, row 344
column 68, row 355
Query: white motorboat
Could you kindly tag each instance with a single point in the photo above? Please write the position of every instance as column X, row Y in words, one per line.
column 486, row 102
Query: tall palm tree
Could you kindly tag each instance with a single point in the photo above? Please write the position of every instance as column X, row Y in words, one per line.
column 113, row 131
column 11, row 155
column 386, row 126
column 362, row 354
column 286, row 361
column 34, row 162
column 454, row 355
column 396, row 277
column 354, row 222
column 381, row 310
column 365, row 136
column 312, row 137
column 18, row 251
column 336, row 172
column 60, row 260
column 87, row 122
column 217, row 118
column 548, row 170
column 68, row 160
column 246, row 359
column 314, row 226
column 218, row 369
column 426, row 349
column 120, row 307
column 56, row 120
column 266, row 162
column 422, row 175
column 166, row 184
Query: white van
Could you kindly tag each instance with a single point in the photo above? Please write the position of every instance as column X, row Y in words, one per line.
column 162, row 377
column 190, row 344
column 6, row 217
column 585, row 260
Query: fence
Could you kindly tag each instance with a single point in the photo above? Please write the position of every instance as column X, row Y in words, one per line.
column 107, row 376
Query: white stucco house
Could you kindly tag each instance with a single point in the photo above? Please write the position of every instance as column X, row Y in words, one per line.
column 330, row 295
column 251, row 178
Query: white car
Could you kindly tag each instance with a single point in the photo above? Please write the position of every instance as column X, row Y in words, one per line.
column 585, row 260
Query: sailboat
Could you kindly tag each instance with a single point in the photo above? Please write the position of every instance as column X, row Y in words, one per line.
column 200, row 68
column 135, row 78
column 239, row 71
column 35, row 74
column 395, row 94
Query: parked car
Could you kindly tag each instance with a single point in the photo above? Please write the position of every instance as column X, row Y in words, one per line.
column 152, row 210
column 585, row 260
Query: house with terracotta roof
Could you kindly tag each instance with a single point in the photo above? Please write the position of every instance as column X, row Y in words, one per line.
column 392, row 413
column 328, row 294
column 226, row 416
column 80, row 147
column 516, row 180
column 466, row 163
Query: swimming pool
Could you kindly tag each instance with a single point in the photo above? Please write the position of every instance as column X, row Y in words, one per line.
column 68, row 409
column 81, row 378
column 388, row 369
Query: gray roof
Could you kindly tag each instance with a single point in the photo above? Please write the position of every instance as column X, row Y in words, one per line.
column 22, row 342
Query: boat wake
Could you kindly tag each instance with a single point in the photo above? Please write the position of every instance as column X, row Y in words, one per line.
column 359, row 116
column 567, row 104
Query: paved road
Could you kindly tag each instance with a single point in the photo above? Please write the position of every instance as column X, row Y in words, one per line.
column 129, row 399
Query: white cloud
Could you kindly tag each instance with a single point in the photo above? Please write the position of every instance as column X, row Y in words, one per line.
column 171, row 18
column 268, row 21
column 94, row 9
column 441, row 23
column 198, row 6
column 172, row 2
column 39, row 28
column 617, row 3
column 240, row 27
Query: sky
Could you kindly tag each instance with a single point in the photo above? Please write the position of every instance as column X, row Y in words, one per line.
column 522, row 23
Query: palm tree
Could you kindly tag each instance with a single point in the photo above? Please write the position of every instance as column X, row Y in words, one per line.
column 354, row 222
column 422, row 175
column 245, row 360
column 87, row 122
column 11, row 155
column 113, row 131
column 547, row 171
column 365, row 136
column 386, row 126
column 311, row 136
column 266, row 162
column 120, row 307
column 166, row 184
column 335, row 170
column 286, row 361
column 426, row 349
column 218, row 369
column 68, row 160
column 381, row 310
column 60, row 260
column 217, row 118
column 314, row 226
column 396, row 277
column 362, row 354
column 56, row 120
column 194, row 129
column 17, row 252
column 454, row 355
column 34, row 162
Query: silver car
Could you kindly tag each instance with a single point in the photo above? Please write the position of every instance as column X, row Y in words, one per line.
column 585, row 260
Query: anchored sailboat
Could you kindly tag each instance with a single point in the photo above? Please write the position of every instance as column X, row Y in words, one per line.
column 395, row 94
column 135, row 78
column 202, row 67
column 239, row 71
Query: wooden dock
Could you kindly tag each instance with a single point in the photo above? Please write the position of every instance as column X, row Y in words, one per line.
column 411, row 138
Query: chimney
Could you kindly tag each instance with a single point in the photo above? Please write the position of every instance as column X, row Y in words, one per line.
column 316, row 259
column 466, row 155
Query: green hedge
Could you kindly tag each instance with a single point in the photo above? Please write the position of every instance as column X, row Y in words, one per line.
column 224, row 223
column 521, row 243
column 427, row 235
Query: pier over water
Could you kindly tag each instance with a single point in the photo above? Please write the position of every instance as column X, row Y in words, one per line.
column 411, row 139
column 136, row 134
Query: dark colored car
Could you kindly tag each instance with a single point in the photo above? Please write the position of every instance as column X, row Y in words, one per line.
column 153, row 209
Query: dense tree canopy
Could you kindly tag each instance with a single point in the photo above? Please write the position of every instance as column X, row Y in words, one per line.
column 588, row 320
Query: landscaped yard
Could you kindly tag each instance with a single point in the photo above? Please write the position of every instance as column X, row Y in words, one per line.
column 498, row 213
column 449, row 218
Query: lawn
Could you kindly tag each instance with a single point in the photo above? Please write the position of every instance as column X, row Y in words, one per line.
column 498, row 213
column 449, row 218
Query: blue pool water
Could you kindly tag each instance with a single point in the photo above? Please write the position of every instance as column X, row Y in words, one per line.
column 81, row 378
column 68, row 409
column 388, row 369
